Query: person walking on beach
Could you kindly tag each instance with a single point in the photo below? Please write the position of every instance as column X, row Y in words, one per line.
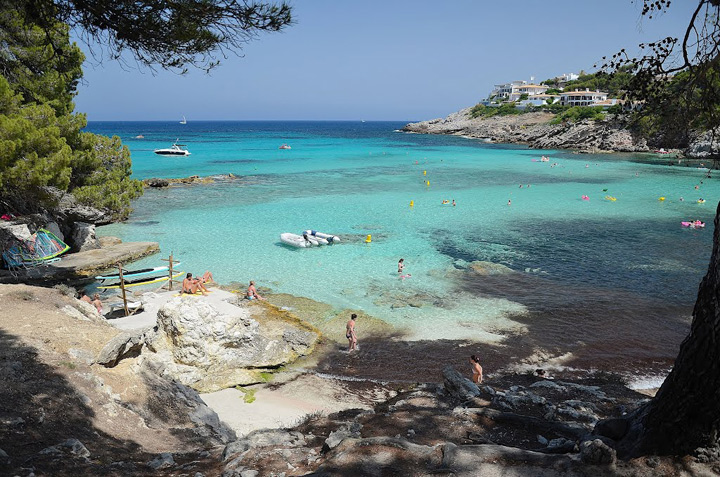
column 350, row 333
column 401, row 265
column 477, row 373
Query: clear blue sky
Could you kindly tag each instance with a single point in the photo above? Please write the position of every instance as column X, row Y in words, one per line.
column 383, row 60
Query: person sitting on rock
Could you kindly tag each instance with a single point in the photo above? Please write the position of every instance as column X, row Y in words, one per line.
column 252, row 293
column 207, row 277
column 192, row 285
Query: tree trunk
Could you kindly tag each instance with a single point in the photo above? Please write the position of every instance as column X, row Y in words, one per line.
column 685, row 414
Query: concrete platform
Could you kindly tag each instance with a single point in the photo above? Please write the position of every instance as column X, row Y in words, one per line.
column 153, row 301
column 81, row 266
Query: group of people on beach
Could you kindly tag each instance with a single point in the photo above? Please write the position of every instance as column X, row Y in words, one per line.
column 192, row 285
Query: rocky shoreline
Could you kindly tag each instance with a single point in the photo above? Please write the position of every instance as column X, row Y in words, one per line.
column 141, row 389
column 535, row 130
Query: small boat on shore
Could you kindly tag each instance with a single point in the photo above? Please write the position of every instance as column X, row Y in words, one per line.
column 130, row 274
column 174, row 150
column 309, row 238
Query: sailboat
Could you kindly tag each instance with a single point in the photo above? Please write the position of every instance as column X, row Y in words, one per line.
column 184, row 121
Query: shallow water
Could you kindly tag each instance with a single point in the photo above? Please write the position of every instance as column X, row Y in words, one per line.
column 611, row 282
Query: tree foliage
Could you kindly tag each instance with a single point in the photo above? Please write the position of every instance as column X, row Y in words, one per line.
column 173, row 35
column 676, row 79
column 41, row 140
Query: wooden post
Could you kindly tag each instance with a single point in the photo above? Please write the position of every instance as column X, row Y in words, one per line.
column 122, row 287
column 171, row 261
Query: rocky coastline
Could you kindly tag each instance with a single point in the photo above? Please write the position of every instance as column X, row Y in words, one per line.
column 84, row 398
column 535, row 131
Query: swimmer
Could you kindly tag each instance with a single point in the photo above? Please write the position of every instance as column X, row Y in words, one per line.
column 453, row 203
column 401, row 265
column 509, row 202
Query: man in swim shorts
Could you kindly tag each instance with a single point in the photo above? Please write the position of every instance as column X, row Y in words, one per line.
column 350, row 333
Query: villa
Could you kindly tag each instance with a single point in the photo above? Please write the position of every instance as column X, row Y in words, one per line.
column 525, row 94
column 585, row 98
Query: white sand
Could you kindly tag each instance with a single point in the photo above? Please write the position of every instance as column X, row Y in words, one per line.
column 287, row 405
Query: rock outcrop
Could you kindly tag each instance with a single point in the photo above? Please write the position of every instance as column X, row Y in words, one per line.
column 210, row 348
column 83, row 237
column 64, row 415
column 535, row 130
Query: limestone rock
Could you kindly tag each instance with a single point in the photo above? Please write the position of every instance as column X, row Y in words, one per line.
column 71, row 447
column 335, row 438
column 209, row 350
column 83, row 237
column 489, row 268
column 69, row 211
column 163, row 461
column 596, row 452
column 263, row 438
column 11, row 232
column 127, row 344
column 459, row 386
column 155, row 182
column 55, row 229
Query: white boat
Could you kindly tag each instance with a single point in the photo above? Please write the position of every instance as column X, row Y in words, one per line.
column 174, row 150
column 184, row 121
column 327, row 238
column 309, row 238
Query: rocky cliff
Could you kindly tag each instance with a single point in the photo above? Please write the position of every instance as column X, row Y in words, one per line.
column 535, row 130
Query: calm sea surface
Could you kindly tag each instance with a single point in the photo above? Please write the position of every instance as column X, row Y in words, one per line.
column 606, row 284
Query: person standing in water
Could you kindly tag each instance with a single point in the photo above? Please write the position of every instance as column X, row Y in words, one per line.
column 477, row 373
column 350, row 333
column 401, row 265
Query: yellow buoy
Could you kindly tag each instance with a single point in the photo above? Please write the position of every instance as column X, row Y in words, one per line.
column 368, row 239
column 424, row 173
column 412, row 203
column 427, row 183
column 661, row 199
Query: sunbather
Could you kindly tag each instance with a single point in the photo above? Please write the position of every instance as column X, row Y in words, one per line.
column 192, row 285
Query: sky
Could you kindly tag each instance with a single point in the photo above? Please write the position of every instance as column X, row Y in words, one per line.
column 382, row 60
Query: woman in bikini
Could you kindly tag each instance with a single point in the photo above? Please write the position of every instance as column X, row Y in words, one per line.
column 477, row 371
column 350, row 333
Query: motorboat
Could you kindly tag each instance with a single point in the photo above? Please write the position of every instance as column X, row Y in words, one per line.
column 174, row 150
column 285, row 146
column 309, row 238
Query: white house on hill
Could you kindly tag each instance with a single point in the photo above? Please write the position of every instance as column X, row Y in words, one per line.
column 583, row 98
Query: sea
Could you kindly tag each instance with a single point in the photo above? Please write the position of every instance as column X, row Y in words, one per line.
column 523, row 271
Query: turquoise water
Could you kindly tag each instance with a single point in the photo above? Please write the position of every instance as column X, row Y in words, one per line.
column 353, row 179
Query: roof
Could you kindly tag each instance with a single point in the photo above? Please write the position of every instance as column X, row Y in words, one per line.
column 581, row 93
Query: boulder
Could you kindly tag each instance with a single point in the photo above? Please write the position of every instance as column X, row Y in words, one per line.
column 124, row 345
column 11, row 232
column 83, row 237
column 155, row 182
column 210, row 350
column 489, row 268
column 335, row 438
column 55, row 229
column 459, row 386
column 68, row 210
column 162, row 461
column 596, row 452
column 71, row 447
column 263, row 438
